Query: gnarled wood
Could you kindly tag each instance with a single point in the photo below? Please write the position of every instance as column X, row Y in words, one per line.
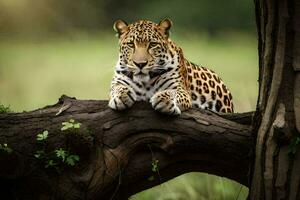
column 116, row 149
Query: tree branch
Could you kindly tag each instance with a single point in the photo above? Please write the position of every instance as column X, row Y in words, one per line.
column 116, row 149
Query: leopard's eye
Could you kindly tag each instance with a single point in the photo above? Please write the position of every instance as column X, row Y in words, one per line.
column 130, row 44
column 153, row 44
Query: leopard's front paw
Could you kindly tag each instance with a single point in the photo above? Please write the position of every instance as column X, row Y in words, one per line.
column 121, row 98
column 165, row 102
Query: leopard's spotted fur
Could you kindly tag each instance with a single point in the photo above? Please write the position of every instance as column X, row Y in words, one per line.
column 152, row 68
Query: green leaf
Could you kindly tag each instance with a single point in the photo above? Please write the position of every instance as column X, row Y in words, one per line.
column 64, row 123
column 72, row 159
column 154, row 165
column 60, row 153
column 37, row 155
column 64, row 128
column 77, row 125
column 42, row 136
column 70, row 124
column 50, row 163
column 45, row 134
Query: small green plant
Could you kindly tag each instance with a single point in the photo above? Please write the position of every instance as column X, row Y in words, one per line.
column 5, row 109
column 154, row 168
column 66, row 157
column 294, row 145
column 60, row 153
column 72, row 160
column 154, row 165
column 4, row 147
column 51, row 163
column 42, row 136
column 71, row 124
column 54, row 158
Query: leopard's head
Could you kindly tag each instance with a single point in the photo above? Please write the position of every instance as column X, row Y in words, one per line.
column 145, row 50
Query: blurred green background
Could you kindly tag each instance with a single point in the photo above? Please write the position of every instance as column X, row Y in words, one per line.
column 54, row 47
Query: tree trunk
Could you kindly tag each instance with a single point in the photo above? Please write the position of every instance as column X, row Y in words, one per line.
column 276, row 173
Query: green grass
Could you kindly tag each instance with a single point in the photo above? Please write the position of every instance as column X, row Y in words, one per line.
column 35, row 73
column 195, row 186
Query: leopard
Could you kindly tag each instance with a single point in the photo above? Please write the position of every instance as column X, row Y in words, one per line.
column 152, row 68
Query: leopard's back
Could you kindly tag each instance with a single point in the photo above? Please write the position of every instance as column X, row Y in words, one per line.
column 207, row 89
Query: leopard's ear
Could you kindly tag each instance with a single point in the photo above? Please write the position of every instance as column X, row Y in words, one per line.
column 120, row 27
column 165, row 26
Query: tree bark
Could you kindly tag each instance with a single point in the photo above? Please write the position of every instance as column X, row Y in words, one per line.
column 276, row 173
column 116, row 149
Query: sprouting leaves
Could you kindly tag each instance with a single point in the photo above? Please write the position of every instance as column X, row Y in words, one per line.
column 57, row 157
column 60, row 153
column 50, row 163
column 71, row 124
column 154, row 165
column 66, row 157
column 154, row 168
column 42, row 136
column 72, row 159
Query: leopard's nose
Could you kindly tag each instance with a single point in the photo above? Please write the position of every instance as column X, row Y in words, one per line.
column 140, row 64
